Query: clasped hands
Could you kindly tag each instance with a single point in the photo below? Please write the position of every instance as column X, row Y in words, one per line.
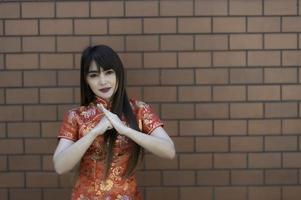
column 109, row 121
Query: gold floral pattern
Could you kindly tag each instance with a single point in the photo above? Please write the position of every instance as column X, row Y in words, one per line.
column 91, row 184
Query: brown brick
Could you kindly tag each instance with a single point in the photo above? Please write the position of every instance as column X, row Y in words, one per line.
column 9, row 10
column 171, row 127
column 246, row 41
column 21, row 27
column 50, row 129
column 238, row 7
column 142, row 43
column 154, row 162
column 246, row 75
column 229, row 93
column 40, row 146
column 149, row 178
column 162, row 193
column 212, row 111
column 38, row 9
column 22, row 61
column 280, row 41
column 173, row 178
column 160, row 60
column 72, row 43
column 213, row 177
column 4, row 194
column 229, row 24
column 246, row 144
column 257, row 193
column 2, row 96
column 11, row 113
column 176, row 8
column 148, row 8
column 134, row 92
column 40, row 112
column 195, row 127
column 137, row 77
column 291, row 192
column 17, row 163
column 90, row 26
column 184, row 144
column 177, row 111
column 211, row 42
column 3, row 164
column 194, row 193
column 155, row 94
column 278, row 7
column 72, row 9
column 230, row 127
column 12, row 179
column 62, row 109
column 115, row 42
column 19, row 194
column 247, row 177
column 22, row 96
column 280, row 75
column 1, row 60
column 47, row 163
column 56, row 95
column 41, row 179
column 291, row 92
column 10, row 44
column 159, row 25
column 196, row 161
column 291, row 24
column 106, row 9
column 233, row 193
column 39, row 78
column 69, row 78
column 246, row 110
column 23, row 129
column 194, row 25
column 56, row 26
column 212, row 144
column 67, row 180
column 291, row 126
column 211, row 76
column 56, row 61
column 194, row 59
column 291, row 160
column 177, row 76
column 264, row 58
column 131, row 60
column 226, row 59
column 194, row 93
column 125, row 26
column 263, row 24
column 77, row 95
column 264, row 160
column 176, row 42
column 59, row 194
column 291, row 58
column 230, row 160
column 205, row 7
column 263, row 93
column 264, row 127
column 281, row 176
column 11, row 146
column 281, row 143
column 38, row 44
column 2, row 130
column 284, row 109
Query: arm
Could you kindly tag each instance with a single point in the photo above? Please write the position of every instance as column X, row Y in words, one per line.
column 158, row 142
column 69, row 153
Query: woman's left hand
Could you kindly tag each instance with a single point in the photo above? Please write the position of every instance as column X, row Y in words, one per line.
column 119, row 126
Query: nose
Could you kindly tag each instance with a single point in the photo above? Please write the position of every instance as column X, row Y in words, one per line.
column 101, row 79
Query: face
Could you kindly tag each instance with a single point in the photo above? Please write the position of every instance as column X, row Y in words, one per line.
column 102, row 83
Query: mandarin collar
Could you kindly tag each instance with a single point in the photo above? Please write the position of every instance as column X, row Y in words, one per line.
column 105, row 103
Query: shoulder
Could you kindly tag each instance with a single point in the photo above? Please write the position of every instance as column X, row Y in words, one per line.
column 137, row 104
column 74, row 112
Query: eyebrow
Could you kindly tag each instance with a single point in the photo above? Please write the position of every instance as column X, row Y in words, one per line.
column 93, row 71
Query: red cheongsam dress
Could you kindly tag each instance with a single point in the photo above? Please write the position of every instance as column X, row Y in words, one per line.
column 90, row 183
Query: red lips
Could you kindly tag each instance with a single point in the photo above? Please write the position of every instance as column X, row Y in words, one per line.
column 104, row 90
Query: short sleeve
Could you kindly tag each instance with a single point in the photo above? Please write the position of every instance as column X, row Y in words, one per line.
column 148, row 120
column 69, row 126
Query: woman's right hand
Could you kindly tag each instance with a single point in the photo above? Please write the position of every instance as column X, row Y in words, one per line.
column 103, row 125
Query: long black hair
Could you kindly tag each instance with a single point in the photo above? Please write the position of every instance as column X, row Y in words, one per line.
column 107, row 58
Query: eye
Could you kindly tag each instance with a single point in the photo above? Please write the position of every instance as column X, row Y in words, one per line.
column 92, row 75
column 109, row 72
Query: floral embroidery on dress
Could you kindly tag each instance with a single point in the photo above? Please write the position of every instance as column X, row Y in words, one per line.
column 122, row 197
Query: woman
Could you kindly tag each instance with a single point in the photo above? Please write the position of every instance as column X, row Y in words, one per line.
column 108, row 132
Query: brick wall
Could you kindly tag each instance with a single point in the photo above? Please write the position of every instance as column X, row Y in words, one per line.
column 222, row 74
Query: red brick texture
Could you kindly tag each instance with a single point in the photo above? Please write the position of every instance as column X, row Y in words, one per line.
column 223, row 75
